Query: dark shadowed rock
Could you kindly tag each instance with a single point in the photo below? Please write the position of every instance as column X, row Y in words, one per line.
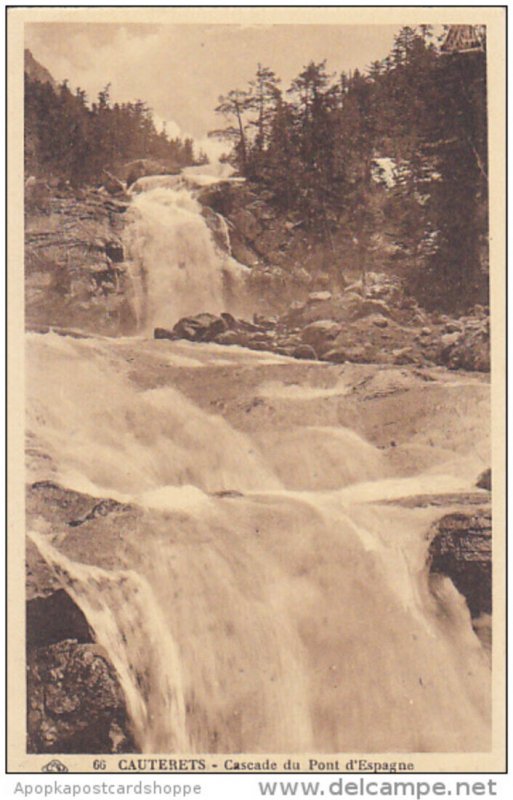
column 462, row 549
column 485, row 480
column 305, row 351
column 229, row 319
column 53, row 618
column 114, row 250
column 76, row 704
column 201, row 328
column 164, row 333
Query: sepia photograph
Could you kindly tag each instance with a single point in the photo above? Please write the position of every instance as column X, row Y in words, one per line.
column 257, row 389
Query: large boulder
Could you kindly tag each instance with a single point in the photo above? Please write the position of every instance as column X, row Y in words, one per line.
column 164, row 333
column 76, row 704
column 201, row 328
column 461, row 549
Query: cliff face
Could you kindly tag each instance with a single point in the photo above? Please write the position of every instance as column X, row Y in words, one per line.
column 36, row 71
column 75, row 270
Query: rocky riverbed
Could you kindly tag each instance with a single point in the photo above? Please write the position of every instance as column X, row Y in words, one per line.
column 415, row 421
column 334, row 448
column 357, row 326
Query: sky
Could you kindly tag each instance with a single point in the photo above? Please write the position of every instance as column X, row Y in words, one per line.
column 180, row 70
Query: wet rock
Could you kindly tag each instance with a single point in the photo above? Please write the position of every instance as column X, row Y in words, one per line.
column 76, row 704
column 485, row 480
column 305, row 351
column 461, row 549
column 200, row 328
column 229, row 319
column 164, row 333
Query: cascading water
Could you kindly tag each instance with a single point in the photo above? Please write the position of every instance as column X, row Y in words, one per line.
column 255, row 600
column 177, row 266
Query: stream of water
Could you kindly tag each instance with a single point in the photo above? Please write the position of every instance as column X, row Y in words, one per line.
column 263, row 604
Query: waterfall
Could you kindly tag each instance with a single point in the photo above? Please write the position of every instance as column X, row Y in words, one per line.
column 247, row 607
column 120, row 605
column 177, row 267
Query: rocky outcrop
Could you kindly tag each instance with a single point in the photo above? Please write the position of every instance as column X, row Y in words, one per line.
column 75, row 702
column 75, row 273
column 461, row 549
column 299, row 275
column 202, row 328
column 143, row 167
column 286, row 259
column 378, row 325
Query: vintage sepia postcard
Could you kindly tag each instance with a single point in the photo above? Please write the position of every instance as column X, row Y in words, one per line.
column 256, row 318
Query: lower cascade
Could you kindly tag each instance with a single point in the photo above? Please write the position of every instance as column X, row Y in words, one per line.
column 261, row 585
